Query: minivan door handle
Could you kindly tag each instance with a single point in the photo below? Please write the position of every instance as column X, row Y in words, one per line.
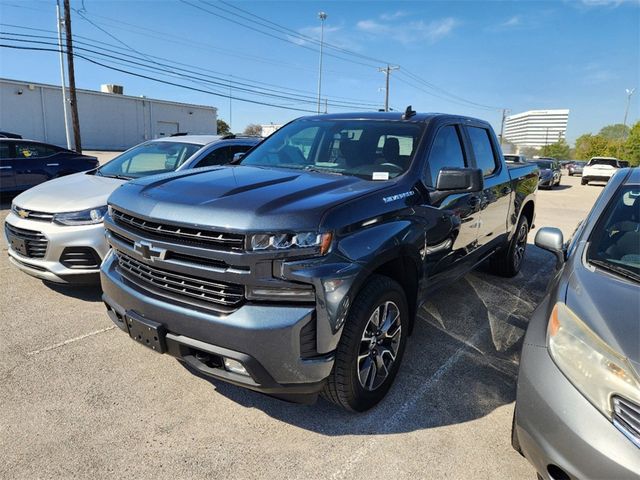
column 53, row 164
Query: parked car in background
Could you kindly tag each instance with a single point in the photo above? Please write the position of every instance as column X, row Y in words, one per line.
column 565, row 163
column 299, row 269
column 575, row 168
column 577, row 413
column 512, row 158
column 55, row 230
column 25, row 163
column 601, row 169
column 550, row 173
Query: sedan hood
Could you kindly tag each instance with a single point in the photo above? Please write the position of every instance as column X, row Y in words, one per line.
column 72, row 193
column 242, row 197
column 609, row 305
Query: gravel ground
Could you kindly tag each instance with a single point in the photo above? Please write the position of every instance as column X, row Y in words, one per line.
column 80, row 399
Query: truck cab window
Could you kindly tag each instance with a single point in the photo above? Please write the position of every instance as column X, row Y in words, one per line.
column 481, row 144
column 446, row 151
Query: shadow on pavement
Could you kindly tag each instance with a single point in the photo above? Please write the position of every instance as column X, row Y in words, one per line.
column 87, row 293
column 461, row 362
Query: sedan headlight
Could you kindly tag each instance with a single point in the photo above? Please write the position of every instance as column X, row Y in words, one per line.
column 90, row 216
column 593, row 367
column 290, row 241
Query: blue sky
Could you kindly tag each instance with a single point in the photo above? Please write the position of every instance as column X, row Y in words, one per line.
column 519, row 55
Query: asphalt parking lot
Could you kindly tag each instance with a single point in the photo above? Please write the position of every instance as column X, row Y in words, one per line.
column 80, row 399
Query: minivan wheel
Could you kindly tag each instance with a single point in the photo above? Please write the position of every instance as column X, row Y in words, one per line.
column 507, row 262
column 371, row 347
column 584, row 181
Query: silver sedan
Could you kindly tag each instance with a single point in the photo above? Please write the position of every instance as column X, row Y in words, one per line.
column 577, row 412
column 54, row 230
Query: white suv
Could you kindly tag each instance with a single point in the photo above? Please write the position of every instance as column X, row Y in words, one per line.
column 601, row 169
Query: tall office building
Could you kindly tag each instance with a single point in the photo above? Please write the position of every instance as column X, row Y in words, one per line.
column 536, row 128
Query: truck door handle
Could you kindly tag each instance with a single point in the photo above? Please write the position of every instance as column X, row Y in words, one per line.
column 5, row 168
column 474, row 201
column 506, row 190
column 53, row 164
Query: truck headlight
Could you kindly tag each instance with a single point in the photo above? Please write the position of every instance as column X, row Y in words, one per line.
column 289, row 241
column 591, row 365
column 90, row 216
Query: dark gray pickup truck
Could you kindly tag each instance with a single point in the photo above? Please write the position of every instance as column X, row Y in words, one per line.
column 299, row 269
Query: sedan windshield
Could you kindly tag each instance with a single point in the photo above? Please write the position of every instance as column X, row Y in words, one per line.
column 374, row 150
column 615, row 242
column 545, row 165
column 148, row 159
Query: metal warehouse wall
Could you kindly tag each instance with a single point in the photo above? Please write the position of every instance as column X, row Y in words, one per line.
column 107, row 121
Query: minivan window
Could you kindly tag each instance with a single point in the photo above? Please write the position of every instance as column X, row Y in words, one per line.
column 446, row 151
column 359, row 148
column 149, row 159
column 481, row 144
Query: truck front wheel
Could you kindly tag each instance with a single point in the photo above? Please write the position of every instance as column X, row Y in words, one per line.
column 371, row 347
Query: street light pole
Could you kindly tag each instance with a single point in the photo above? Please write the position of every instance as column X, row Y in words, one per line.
column 630, row 92
column 322, row 16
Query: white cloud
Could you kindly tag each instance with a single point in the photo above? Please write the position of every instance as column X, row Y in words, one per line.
column 393, row 16
column 596, row 74
column 410, row 32
column 512, row 22
column 605, row 3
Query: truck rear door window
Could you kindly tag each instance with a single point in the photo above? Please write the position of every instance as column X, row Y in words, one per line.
column 446, row 151
column 482, row 149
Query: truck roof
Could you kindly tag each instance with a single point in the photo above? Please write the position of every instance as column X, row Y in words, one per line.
column 398, row 116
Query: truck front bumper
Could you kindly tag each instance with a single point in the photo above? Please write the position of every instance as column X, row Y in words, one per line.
column 265, row 339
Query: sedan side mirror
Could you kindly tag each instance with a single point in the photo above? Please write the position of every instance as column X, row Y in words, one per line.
column 552, row 240
column 460, row 179
column 237, row 157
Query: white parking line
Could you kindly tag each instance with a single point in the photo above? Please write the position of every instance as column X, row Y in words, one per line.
column 401, row 413
column 71, row 340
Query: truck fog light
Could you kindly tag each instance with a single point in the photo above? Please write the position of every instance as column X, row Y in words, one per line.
column 235, row 366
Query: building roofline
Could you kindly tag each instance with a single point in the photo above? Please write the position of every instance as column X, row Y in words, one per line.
column 97, row 92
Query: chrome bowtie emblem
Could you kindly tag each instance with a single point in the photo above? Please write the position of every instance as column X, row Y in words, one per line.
column 22, row 213
column 148, row 251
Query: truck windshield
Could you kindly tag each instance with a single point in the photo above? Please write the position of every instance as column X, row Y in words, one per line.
column 615, row 242
column 370, row 149
column 148, row 159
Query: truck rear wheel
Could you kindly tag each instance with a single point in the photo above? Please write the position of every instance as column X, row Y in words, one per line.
column 507, row 262
column 371, row 347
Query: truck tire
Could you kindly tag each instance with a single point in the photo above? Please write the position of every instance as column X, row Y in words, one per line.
column 507, row 262
column 369, row 354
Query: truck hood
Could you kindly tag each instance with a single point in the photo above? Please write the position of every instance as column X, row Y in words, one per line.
column 609, row 306
column 71, row 193
column 242, row 197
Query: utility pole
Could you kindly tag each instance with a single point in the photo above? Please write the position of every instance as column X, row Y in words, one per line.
column 630, row 92
column 326, row 104
column 387, row 71
column 63, row 78
column 504, row 117
column 72, row 78
column 322, row 16
column 230, row 107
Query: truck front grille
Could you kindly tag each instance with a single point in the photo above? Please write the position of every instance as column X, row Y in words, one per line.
column 220, row 296
column 35, row 242
column 181, row 234
column 626, row 416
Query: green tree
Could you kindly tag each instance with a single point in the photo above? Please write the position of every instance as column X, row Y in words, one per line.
column 558, row 150
column 588, row 146
column 223, row 127
column 529, row 152
column 253, row 129
column 632, row 146
column 617, row 131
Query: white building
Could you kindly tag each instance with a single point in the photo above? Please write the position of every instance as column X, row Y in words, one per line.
column 536, row 128
column 108, row 121
column 269, row 128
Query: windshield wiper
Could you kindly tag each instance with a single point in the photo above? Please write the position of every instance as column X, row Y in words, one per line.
column 119, row 177
column 612, row 267
column 313, row 168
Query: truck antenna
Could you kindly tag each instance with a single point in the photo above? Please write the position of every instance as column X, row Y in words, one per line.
column 408, row 113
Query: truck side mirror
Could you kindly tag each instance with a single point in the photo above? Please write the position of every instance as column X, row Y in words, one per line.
column 237, row 157
column 552, row 240
column 460, row 179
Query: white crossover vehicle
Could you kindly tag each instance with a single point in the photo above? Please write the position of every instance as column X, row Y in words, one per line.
column 601, row 169
column 54, row 230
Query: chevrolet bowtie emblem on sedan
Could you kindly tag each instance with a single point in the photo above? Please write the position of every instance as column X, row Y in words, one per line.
column 148, row 251
column 23, row 213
